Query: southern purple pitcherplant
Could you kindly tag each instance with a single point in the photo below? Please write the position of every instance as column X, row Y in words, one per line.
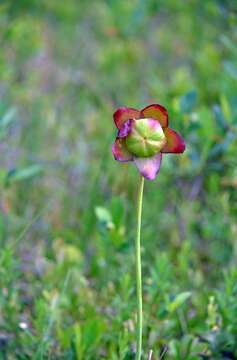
column 143, row 137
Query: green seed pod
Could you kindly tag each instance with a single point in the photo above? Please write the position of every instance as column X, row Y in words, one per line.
column 146, row 138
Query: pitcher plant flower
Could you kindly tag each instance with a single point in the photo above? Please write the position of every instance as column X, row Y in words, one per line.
column 143, row 137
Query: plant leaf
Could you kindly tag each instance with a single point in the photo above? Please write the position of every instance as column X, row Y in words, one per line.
column 178, row 301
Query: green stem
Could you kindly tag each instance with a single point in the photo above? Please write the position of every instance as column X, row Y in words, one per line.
column 139, row 270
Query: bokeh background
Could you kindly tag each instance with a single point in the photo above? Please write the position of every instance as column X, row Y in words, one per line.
column 67, row 281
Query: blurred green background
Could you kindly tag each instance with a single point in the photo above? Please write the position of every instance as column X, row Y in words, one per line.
column 67, row 281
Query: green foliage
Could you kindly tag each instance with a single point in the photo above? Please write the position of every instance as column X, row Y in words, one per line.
column 67, row 286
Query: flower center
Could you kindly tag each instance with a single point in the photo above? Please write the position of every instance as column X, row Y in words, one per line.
column 146, row 138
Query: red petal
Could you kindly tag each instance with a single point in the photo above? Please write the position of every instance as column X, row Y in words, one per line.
column 158, row 112
column 123, row 114
column 149, row 167
column 119, row 150
column 175, row 143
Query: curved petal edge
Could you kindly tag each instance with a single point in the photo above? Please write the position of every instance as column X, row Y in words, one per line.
column 149, row 167
column 157, row 112
column 123, row 114
column 120, row 152
column 175, row 142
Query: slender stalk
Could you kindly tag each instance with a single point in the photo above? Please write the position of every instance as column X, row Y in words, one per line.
column 139, row 270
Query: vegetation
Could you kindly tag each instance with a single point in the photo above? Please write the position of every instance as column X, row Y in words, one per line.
column 67, row 288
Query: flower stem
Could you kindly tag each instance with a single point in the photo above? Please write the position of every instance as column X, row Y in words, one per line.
column 139, row 270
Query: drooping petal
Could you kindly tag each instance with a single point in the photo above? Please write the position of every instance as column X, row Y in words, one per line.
column 120, row 152
column 123, row 114
column 158, row 112
column 174, row 144
column 149, row 167
column 125, row 128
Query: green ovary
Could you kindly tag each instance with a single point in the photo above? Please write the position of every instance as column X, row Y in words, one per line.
column 146, row 138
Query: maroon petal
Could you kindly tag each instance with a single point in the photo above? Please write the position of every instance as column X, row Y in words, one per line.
column 175, row 143
column 119, row 150
column 123, row 114
column 125, row 128
column 157, row 112
column 149, row 167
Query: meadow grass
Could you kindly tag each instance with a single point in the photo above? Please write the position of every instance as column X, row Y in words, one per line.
column 67, row 224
